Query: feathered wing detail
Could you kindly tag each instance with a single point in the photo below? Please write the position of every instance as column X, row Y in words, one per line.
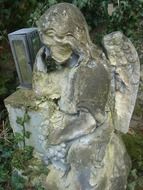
column 125, row 71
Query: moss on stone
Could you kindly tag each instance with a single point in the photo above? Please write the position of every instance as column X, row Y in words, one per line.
column 27, row 99
column 22, row 97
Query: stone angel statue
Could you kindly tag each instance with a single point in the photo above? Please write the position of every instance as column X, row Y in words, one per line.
column 91, row 94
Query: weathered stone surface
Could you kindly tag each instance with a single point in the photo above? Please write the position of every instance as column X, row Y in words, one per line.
column 95, row 163
column 137, row 118
column 80, row 95
column 124, row 63
column 88, row 162
column 39, row 110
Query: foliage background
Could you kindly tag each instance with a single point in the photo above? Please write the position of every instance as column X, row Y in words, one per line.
column 126, row 16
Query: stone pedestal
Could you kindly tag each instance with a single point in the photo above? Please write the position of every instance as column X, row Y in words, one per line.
column 39, row 111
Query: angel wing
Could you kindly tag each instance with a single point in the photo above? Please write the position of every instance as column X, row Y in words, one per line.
column 125, row 71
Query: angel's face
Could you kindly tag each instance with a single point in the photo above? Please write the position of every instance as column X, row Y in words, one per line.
column 60, row 52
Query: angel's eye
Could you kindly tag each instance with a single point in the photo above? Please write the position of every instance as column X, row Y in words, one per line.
column 69, row 34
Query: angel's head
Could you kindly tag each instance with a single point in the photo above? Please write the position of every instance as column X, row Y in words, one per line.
column 64, row 30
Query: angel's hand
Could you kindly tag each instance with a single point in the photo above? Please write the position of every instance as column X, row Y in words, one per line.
column 39, row 61
column 45, row 53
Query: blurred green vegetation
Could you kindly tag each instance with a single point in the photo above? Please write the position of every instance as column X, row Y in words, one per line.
column 124, row 15
column 134, row 145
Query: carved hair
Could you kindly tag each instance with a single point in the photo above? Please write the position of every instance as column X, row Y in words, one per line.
column 68, row 26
